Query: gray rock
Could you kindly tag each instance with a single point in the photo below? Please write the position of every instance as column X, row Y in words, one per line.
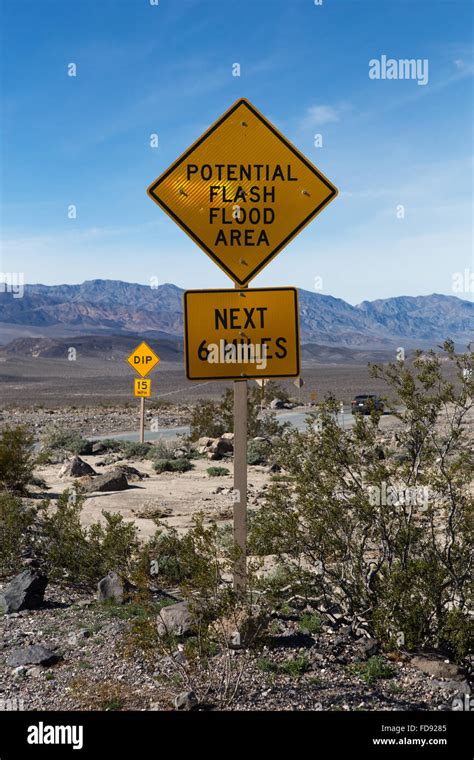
column 75, row 637
column 131, row 473
column 24, row 592
column 175, row 620
column 368, row 648
column 180, row 658
column 223, row 446
column 35, row 654
column 34, row 671
column 112, row 588
column 435, row 667
column 459, row 687
column 187, row 700
column 204, row 444
column 76, row 468
column 19, row 672
column 98, row 447
column 109, row 481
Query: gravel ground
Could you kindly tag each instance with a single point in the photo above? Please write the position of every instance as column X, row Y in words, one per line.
column 98, row 671
column 94, row 420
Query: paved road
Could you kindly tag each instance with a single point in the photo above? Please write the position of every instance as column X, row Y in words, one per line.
column 296, row 417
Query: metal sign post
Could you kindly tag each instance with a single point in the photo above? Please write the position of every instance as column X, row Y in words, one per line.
column 242, row 192
column 142, row 420
column 240, row 483
column 143, row 359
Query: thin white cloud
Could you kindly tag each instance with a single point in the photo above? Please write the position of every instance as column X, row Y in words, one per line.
column 318, row 115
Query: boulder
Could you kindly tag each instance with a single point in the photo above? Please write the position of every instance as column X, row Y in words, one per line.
column 222, row 446
column 175, row 620
column 76, row 468
column 109, row 481
column 112, row 588
column 187, row 700
column 98, row 448
column 35, row 654
column 24, row 592
column 436, row 667
column 205, row 442
column 367, row 648
column 216, row 448
column 131, row 473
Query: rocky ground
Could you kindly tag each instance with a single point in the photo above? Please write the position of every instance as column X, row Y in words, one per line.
column 94, row 420
column 97, row 667
column 173, row 497
column 94, row 659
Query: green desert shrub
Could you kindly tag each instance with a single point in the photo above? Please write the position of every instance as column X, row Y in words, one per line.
column 217, row 472
column 82, row 555
column 373, row 670
column 58, row 440
column 293, row 667
column 258, row 452
column 16, row 459
column 111, row 444
column 213, row 418
column 136, row 450
column 401, row 563
column 172, row 465
column 16, row 520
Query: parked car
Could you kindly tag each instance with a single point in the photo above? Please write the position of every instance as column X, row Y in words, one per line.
column 366, row 403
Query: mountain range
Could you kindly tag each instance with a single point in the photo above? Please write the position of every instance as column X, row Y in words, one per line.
column 112, row 307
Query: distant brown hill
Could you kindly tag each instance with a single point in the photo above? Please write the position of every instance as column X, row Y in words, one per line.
column 101, row 307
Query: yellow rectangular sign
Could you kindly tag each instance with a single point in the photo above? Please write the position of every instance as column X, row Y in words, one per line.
column 235, row 334
column 142, row 388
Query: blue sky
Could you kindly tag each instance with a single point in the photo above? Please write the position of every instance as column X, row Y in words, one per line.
column 167, row 69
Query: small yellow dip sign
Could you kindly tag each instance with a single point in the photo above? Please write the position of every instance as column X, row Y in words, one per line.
column 142, row 388
column 235, row 334
column 143, row 359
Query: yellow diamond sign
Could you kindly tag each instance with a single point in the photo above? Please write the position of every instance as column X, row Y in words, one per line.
column 242, row 192
column 143, row 359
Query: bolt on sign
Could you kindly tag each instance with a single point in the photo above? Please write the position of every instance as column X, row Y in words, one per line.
column 235, row 334
column 142, row 387
column 242, row 191
column 143, row 359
